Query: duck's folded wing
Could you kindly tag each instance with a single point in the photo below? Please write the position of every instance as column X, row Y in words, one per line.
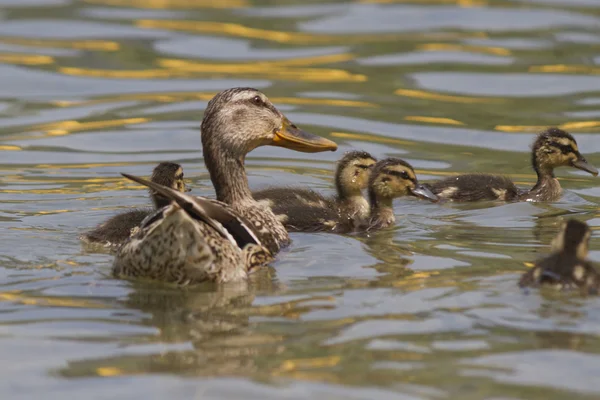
column 217, row 215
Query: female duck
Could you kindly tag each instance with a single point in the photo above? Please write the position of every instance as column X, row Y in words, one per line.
column 567, row 267
column 117, row 229
column 235, row 122
column 351, row 177
column 390, row 178
column 553, row 148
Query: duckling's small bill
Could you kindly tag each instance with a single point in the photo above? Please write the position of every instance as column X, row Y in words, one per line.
column 294, row 138
column 422, row 192
column 583, row 165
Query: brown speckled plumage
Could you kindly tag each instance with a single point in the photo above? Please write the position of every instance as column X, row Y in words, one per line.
column 567, row 267
column 196, row 239
column 117, row 229
column 552, row 148
column 304, row 210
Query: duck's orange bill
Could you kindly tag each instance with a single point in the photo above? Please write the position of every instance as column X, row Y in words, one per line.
column 294, row 138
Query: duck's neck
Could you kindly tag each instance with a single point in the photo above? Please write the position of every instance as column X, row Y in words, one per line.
column 227, row 174
column 547, row 187
column 382, row 212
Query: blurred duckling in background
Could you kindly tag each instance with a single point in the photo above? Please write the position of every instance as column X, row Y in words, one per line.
column 351, row 177
column 567, row 267
column 552, row 148
column 119, row 228
column 192, row 240
column 390, row 178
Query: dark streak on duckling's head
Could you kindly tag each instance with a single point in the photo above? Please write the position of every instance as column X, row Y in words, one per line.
column 168, row 174
column 556, row 148
column 573, row 239
column 352, row 173
column 393, row 177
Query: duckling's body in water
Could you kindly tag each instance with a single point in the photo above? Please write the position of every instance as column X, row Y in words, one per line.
column 389, row 179
column 117, row 229
column 552, row 148
column 567, row 267
column 351, row 177
column 196, row 239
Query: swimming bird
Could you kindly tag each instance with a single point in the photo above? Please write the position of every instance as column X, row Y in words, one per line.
column 552, row 148
column 389, row 179
column 235, row 122
column 351, row 177
column 114, row 231
column 567, row 267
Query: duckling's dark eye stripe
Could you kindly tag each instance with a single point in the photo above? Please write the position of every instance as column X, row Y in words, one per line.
column 179, row 176
column 402, row 175
column 565, row 148
column 364, row 166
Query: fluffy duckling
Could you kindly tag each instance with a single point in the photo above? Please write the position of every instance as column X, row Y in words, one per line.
column 190, row 241
column 567, row 267
column 117, row 229
column 389, row 179
column 552, row 148
column 351, row 177
column 198, row 239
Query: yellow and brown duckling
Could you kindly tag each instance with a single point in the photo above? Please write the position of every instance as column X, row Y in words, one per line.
column 389, row 179
column 192, row 240
column 351, row 177
column 552, row 148
column 118, row 228
column 235, row 122
column 567, row 267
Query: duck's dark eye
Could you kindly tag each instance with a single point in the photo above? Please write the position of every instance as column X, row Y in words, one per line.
column 256, row 100
column 404, row 175
column 363, row 166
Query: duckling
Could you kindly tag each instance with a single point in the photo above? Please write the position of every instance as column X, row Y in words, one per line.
column 351, row 176
column 118, row 228
column 552, row 148
column 389, row 179
column 190, row 241
column 187, row 241
column 567, row 267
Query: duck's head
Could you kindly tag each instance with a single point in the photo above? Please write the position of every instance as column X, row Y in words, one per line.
column 391, row 178
column 353, row 171
column 168, row 174
column 238, row 120
column 573, row 239
column 556, row 148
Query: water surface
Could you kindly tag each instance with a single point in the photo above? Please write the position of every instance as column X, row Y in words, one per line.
column 427, row 310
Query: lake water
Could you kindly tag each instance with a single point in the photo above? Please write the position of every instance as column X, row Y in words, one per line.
column 427, row 310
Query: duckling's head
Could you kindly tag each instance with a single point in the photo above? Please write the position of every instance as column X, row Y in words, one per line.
column 239, row 120
column 391, row 178
column 352, row 174
column 573, row 239
column 556, row 148
column 167, row 174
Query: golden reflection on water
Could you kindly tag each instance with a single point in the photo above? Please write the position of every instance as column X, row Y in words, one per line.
column 426, row 95
column 568, row 126
column 498, row 51
column 173, row 4
column 92, row 45
column 25, row 59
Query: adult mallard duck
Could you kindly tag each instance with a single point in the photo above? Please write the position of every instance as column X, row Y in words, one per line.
column 235, row 122
column 114, row 231
column 192, row 240
column 351, row 177
column 567, row 267
column 389, row 179
column 552, row 148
